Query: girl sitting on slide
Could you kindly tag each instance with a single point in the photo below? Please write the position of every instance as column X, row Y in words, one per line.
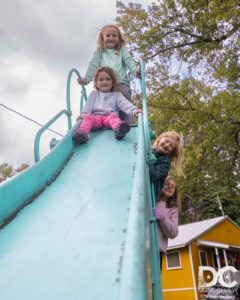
column 102, row 108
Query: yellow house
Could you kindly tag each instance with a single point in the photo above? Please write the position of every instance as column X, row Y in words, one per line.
column 213, row 242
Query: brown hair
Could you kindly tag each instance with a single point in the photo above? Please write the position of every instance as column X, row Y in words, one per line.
column 175, row 200
column 100, row 38
column 111, row 73
column 177, row 154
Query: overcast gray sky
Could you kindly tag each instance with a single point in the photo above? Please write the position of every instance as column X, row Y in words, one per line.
column 40, row 42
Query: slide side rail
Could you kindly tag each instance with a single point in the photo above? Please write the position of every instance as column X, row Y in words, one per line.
column 154, row 250
column 67, row 112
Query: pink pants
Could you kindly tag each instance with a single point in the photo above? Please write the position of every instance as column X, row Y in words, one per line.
column 98, row 122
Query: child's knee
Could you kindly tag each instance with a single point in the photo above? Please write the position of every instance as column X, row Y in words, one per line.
column 89, row 117
column 113, row 116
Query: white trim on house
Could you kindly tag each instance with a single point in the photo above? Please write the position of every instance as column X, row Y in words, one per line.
column 212, row 244
column 179, row 256
column 217, row 244
column 193, row 274
column 218, row 258
column 205, row 252
column 176, row 247
column 225, row 257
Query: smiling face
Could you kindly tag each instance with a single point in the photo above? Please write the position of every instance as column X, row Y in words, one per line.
column 110, row 37
column 166, row 145
column 169, row 188
column 104, row 82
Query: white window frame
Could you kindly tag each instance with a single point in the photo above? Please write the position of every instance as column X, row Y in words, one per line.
column 205, row 252
column 179, row 256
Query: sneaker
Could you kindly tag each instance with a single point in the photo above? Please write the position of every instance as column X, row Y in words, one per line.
column 121, row 130
column 80, row 137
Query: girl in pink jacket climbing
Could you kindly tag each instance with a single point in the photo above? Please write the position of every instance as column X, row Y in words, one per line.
column 166, row 213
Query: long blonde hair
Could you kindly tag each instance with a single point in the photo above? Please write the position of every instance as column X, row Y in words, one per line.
column 175, row 200
column 100, row 38
column 177, row 154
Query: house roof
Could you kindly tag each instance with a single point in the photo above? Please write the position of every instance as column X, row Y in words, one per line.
column 190, row 232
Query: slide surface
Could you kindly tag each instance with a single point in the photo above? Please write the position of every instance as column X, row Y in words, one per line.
column 69, row 242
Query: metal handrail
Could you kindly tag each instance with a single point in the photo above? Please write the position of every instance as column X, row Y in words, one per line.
column 155, row 259
column 84, row 95
column 147, row 128
column 67, row 112
column 45, row 127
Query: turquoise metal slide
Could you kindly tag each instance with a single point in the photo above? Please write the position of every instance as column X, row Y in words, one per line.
column 76, row 224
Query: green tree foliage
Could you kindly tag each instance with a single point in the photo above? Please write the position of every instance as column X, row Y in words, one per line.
column 202, row 33
column 203, row 102
column 7, row 171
